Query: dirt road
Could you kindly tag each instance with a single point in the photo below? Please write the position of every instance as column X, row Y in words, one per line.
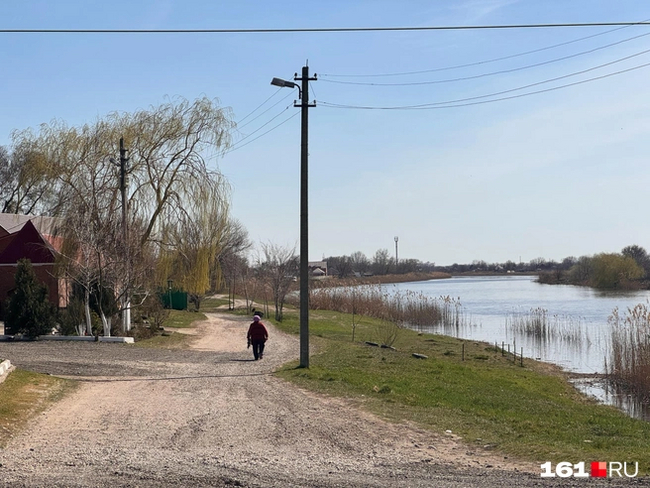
column 210, row 416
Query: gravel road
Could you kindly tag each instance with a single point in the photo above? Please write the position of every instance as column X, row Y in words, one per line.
column 210, row 416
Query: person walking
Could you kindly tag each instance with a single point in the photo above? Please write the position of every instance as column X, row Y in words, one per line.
column 257, row 336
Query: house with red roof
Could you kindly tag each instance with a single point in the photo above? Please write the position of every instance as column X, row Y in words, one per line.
column 34, row 238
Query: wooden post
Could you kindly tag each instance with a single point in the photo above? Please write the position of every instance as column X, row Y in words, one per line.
column 463, row 353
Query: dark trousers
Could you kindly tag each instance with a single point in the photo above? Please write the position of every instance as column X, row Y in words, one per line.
column 258, row 347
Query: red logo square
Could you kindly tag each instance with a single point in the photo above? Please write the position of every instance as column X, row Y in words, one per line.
column 598, row 469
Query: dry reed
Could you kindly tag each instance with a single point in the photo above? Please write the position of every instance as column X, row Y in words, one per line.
column 405, row 308
column 628, row 367
column 539, row 325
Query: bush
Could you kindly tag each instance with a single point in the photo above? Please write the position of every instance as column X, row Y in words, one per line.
column 29, row 311
column 154, row 312
column 71, row 317
column 612, row 270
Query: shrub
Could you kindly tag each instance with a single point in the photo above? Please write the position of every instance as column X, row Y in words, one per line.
column 612, row 270
column 154, row 312
column 29, row 311
column 71, row 317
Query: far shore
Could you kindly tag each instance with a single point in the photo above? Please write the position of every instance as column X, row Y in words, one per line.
column 408, row 277
column 381, row 279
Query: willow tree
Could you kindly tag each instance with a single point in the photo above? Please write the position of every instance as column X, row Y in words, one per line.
column 27, row 184
column 203, row 235
column 166, row 171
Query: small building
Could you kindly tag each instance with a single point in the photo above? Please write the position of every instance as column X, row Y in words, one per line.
column 318, row 268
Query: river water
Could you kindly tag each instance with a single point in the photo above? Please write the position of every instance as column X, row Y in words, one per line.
column 492, row 304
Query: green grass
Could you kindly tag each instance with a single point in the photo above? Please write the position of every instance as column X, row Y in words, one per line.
column 213, row 304
column 529, row 412
column 180, row 319
column 183, row 318
column 23, row 395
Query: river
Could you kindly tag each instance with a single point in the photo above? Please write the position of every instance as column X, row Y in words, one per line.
column 492, row 304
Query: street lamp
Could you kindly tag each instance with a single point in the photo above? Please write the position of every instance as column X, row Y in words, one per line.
column 304, row 105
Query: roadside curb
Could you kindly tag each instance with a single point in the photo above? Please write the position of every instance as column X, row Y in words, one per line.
column 5, row 368
column 124, row 340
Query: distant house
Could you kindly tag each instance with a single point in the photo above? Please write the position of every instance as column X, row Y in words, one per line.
column 318, row 268
column 33, row 238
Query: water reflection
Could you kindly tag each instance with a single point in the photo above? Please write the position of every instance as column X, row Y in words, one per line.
column 579, row 339
column 599, row 388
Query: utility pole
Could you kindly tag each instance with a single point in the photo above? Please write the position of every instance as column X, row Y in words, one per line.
column 396, row 261
column 303, row 91
column 304, row 220
column 126, row 311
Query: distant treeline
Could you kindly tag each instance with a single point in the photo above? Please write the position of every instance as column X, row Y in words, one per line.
column 382, row 263
column 629, row 269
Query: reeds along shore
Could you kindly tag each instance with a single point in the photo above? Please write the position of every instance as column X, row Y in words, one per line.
column 538, row 324
column 628, row 366
column 402, row 308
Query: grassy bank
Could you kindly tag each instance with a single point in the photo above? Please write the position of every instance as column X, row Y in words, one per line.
column 380, row 279
column 23, row 395
column 529, row 412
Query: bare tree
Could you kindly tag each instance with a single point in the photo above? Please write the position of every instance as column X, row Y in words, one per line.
column 360, row 263
column 279, row 269
column 640, row 256
column 381, row 262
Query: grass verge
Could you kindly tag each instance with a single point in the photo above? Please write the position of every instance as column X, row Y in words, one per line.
column 212, row 304
column 23, row 395
column 182, row 318
column 529, row 412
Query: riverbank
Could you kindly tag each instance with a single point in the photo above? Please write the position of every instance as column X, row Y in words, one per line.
column 467, row 389
column 379, row 279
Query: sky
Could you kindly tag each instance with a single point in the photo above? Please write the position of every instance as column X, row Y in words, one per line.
column 487, row 170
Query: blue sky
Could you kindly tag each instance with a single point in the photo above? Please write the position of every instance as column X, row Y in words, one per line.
column 549, row 175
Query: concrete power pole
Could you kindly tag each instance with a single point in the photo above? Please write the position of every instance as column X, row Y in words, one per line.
column 126, row 311
column 304, row 219
column 303, row 92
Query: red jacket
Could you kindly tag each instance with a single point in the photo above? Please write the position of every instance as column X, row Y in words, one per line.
column 257, row 332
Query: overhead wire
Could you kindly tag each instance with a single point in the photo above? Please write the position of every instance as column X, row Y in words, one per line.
column 239, row 145
column 271, row 107
column 453, row 104
column 259, row 106
column 320, row 29
column 493, row 73
column 477, row 63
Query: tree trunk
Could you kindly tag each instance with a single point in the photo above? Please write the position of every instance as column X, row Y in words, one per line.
column 89, row 324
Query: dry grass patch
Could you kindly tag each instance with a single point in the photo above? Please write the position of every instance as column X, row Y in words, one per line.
column 24, row 395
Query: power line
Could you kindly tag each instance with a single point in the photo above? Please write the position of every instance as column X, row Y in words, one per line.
column 259, row 106
column 258, row 116
column 453, row 104
column 238, row 144
column 317, row 29
column 476, row 63
column 493, row 73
